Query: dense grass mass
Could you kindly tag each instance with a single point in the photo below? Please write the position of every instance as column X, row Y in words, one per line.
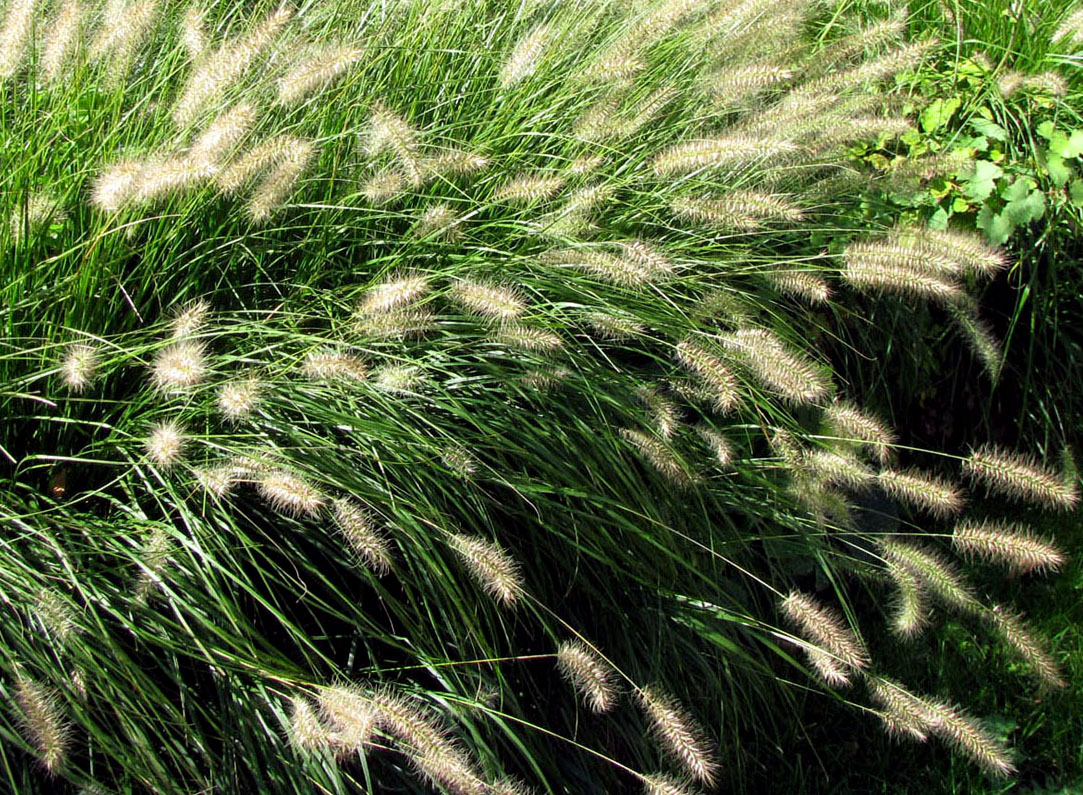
column 484, row 397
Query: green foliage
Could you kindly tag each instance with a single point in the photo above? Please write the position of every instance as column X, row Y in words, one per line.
column 403, row 398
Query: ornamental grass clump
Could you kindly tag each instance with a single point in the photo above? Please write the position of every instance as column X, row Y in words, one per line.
column 404, row 347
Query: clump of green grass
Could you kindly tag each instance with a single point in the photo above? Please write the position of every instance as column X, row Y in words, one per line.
column 410, row 359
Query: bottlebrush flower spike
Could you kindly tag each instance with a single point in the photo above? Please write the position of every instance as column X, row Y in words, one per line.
column 933, row 571
column 905, row 714
column 1011, row 627
column 62, row 41
column 826, row 628
column 911, row 613
column 714, row 374
column 679, row 734
column 289, row 494
column 1006, row 542
column 491, row 566
column 718, row 153
column 238, row 399
column 306, row 732
column 592, row 678
column 659, row 455
column 218, row 141
column 1020, row 477
column 485, row 298
column 927, row 492
column 525, row 57
column 350, row 714
column 851, row 424
column 394, row 293
column 189, row 320
column 43, row 723
column 360, row 532
column 527, row 338
column 225, row 66
column 660, row 784
column 779, row 369
column 316, row 72
column 15, row 36
column 529, row 188
column 745, row 210
column 800, row 284
column 193, row 32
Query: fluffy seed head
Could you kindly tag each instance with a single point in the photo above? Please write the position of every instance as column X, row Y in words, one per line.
column 905, row 714
column 1013, row 629
column 527, row 338
column 743, row 210
column 330, row 365
column 439, row 222
column 389, row 131
column 934, row 573
column 78, row 367
column 15, row 36
column 967, row 735
column 306, row 732
column 350, row 714
column 459, row 460
column 659, row 456
column 453, row 163
column 222, row 135
column 357, row 526
column 289, row 494
column 679, row 734
column 826, row 628
column 710, row 369
column 64, row 37
column 529, row 188
column 925, row 492
column 43, row 723
column 1004, row 542
column 491, row 300
column 316, row 72
column 217, row 481
column 776, row 367
column 495, row 570
column 179, row 366
column 833, row 468
column 611, row 326
column 1020, row 478
column 162, row 177
column 637, row 264
column 237, row 399
column 393, row 294
column 165, row 443
column 853, row 425
column 55, row 614
column 116, row 185
column 524, row 58
column 384, row 186
column 396, row 324
column 400, row 379
column 716, row 153
column 800, row 284
column 189, row 320
column 591, row 677
column 660, row 784
column 911, row 613
column 719, row 445
column 225, row 66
